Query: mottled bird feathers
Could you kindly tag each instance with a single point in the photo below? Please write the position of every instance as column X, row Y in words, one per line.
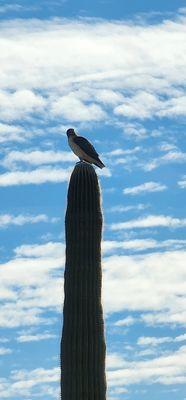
column 86, row 146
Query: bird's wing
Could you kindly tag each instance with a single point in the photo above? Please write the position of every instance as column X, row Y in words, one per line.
column 86, row 146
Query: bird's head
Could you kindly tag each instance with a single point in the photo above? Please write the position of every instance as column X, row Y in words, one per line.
column 70, row 132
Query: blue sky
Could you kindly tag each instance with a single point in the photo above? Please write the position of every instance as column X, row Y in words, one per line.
column 116, row 73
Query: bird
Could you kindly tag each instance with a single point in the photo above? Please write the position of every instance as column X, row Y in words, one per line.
column 83, row 149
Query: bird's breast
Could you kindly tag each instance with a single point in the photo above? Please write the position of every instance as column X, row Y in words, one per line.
column 75, row 148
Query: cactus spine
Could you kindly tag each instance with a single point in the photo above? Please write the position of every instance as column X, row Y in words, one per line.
column 83, row 344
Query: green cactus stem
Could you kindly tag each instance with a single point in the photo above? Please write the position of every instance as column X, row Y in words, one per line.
column 83, row 343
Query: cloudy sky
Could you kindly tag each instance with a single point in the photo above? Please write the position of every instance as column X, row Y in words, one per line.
column 115, row 71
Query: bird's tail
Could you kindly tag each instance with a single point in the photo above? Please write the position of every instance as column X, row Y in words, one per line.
column 99, row 163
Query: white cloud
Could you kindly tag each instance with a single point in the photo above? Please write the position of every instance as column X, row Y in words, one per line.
column 50, row 249
column 35, row 338
column 180, row 338
column 114, row 361
column 73, row 109
column 95, row 67
column 166, row 369
column 20, row 104
column 11, row 133
column 133, row 280
column 136, row 130
column 10, row 7
column 122, row 156
column 31, row 285
column 40, row 260
column 177, row 317
column 117, row 391
column 4, row 350
column 120, row 208
column 42, row 175
column 165, row 146
column 182, row 183
column 150, row 221
column 174, row 107
column 168, row 158
column 16, row 314
column 37, row 157
column 146, row 352
column 104, row 172
column 36, row 177
column 172, row 156
column 128, row 160
column 119, row 152
column 145, row 187
column 8, row 219
column 128, row 321
column 26, row 383
column 108, row 97
column 155, row 341
column 4, row 340
column 136, row 244
column 146, row 105
column 142, row 105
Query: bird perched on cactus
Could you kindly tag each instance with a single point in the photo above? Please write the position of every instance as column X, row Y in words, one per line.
column 83, row 149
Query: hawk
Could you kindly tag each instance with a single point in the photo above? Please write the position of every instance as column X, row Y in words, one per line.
column 83, row 149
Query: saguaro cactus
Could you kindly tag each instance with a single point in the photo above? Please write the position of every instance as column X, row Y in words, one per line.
column 83, row 344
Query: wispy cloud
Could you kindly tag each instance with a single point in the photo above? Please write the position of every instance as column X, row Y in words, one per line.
column 35, row 338
column 175, row 317
column 50, row 249
column 137, row 245
column 11, row 133
column 128, row 321
column 145, row 187
column 120, row 208
column 150, row 221
column 4, row 340
column 155, row 341
column 175, row 156
column 10, row 7
column 4, row 350
column 182, row 182
column 121, row 152
column 104, row 172
column 41, row 175
column 37, row 157
column 26, row 383
column 135, row 130
column 6, row 8
column 35, row 177
column 166, row 369
column 8, row 219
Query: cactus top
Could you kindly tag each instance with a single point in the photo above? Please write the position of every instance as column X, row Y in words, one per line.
column 84, row 191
